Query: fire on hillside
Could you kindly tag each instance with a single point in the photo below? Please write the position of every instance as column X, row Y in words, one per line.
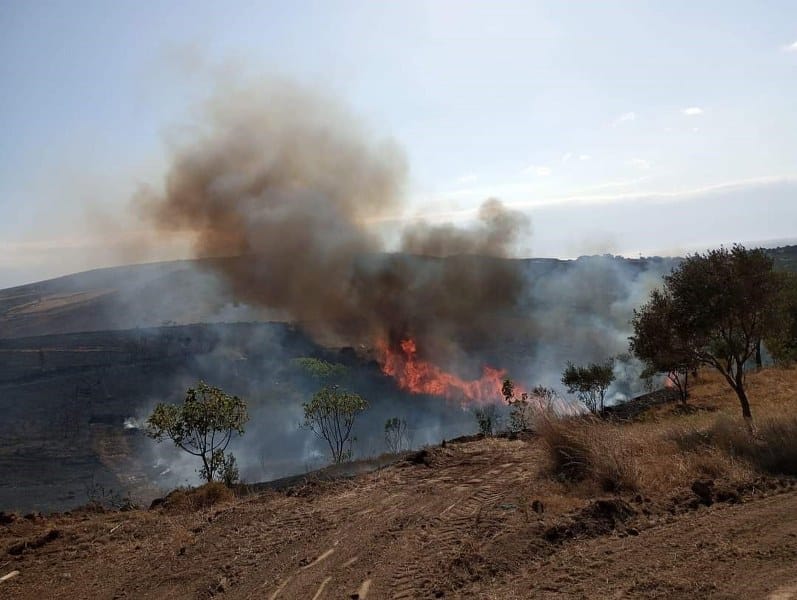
column 418, row 376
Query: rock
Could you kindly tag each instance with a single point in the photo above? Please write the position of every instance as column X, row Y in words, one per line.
column 538, row 507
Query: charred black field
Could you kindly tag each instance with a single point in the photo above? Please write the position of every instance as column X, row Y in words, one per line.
column 84, row 358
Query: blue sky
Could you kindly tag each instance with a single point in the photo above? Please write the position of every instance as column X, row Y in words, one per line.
column 621, row 127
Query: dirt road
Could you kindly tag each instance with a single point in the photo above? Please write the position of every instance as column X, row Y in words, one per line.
column 738, row 551
column 460, row 522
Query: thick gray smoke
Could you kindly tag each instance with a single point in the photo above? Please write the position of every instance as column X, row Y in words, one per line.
column 292, row 182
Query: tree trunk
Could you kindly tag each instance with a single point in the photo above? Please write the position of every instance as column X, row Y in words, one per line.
column 758, row 362
column 208, row 474
column 748, row 416
column 684, row 389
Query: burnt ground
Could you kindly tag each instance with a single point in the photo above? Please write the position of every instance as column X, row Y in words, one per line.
column 468, row 520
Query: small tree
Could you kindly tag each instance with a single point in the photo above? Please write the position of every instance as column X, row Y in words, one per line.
column 229, row 470
column 331, row 415
column 520, row 413
column 546, row 397
column 396, row 435
column 721, row 304
column 487, row 419
column 656, row 343
column 202, row 426
column 589, row 383
column 332, row 411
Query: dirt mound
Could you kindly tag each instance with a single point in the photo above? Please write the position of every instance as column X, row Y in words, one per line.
column 600, row 517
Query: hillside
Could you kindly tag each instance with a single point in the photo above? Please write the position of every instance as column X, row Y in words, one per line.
column 179, row 292
column 82, row 355
column 483, row 518
column 189, row 291
column 147, row 295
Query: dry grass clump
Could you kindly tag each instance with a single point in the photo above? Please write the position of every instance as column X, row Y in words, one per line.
column 588, row 450
column 199, row 498
column 672, row 448
column 771, row 450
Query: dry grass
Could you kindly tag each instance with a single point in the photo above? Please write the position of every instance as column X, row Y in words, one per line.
column 200, row 498
column 671, row 448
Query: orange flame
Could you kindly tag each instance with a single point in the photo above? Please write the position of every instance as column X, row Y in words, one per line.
column 418, row 376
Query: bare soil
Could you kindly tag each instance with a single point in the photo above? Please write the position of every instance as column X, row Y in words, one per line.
column 459, row 521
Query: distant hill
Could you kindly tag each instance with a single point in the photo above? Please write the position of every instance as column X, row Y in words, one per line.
column 785, row 258
column 146, row 295
column 181, row 292
column 157, row 294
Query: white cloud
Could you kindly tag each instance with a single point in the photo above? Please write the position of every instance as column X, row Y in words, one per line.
column 629, row 116
column 469, row 178
column 639, row 163
column 517, row 195
column 790, row 47
column 692, row 111
column 567, row 156
column 538, row 170
column 584, row 157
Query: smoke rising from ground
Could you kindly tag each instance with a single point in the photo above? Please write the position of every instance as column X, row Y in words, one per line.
column 290, row 180
column 291, row 183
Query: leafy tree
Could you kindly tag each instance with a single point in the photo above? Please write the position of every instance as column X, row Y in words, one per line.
column 720, row 304
column 396, row 434
column 202, row 426
column 782, row 342
column 657, row 344
column 331, row 412
column 330, row 415
column 589, row 383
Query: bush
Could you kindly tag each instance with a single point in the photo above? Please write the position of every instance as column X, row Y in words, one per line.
column 101, row 499
column 588, row 450
column 487, row 419
column 229, row 470
column 200, row 498
column 771, row 450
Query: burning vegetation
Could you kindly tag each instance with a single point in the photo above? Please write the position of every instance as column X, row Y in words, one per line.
column 418, row 376
column 293, row 183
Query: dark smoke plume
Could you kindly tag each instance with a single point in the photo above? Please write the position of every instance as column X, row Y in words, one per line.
column 290, row 181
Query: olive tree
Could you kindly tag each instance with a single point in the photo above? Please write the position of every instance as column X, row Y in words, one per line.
column 657, row 344
column 782, row 341
column 202, row 426
column 719, row 305
column 589, row 383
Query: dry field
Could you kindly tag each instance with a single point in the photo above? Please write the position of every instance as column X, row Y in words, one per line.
column 681, row 504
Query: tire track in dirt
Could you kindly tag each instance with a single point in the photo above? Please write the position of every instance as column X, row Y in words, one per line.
column 446, row 530
column 786, row 592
